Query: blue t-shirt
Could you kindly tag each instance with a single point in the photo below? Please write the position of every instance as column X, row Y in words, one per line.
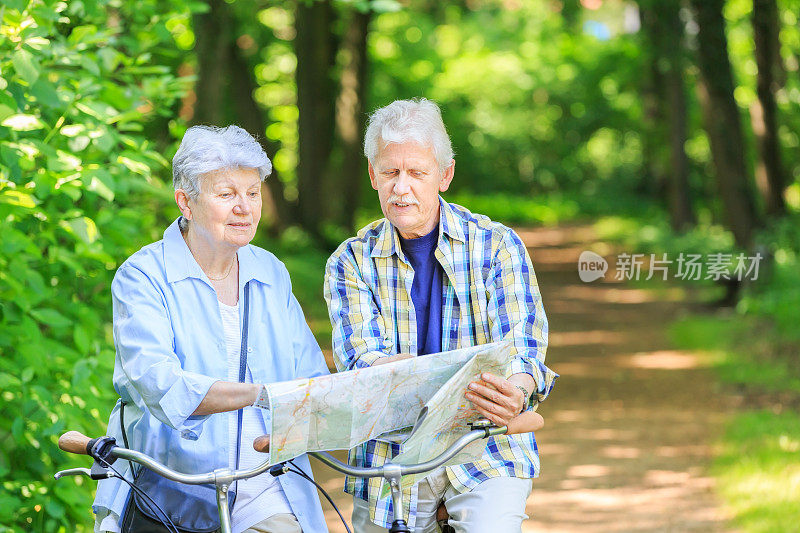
column 426, row 290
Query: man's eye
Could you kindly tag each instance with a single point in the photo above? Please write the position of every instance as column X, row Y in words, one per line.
column 254, row 194
column 225, row 195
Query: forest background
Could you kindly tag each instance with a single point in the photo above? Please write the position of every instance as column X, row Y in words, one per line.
column 673, row 125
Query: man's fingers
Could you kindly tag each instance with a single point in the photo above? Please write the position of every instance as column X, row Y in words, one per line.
column 503, row 385
column 484, row 405
column 490, row 394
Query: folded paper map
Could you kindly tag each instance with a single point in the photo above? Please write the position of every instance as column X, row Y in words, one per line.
column 418, row 402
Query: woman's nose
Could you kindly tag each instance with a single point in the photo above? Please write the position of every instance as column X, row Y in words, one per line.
column 242, row 206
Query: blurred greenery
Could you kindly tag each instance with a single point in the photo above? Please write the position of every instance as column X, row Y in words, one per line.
column 78, row 193
column 758, row 470
column 549, row 104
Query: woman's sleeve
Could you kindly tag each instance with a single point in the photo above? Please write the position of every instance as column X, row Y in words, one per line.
column 145, row 345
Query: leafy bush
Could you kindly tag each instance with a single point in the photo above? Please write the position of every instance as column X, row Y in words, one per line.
column 779, row 296
column 80, row 186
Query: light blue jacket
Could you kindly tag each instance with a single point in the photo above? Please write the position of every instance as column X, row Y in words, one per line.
column 170, row 348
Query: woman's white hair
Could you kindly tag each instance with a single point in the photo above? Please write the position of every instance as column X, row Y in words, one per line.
column 205, row 149
column 418, row 120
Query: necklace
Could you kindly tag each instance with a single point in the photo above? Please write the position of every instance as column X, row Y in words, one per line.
column 226, row 273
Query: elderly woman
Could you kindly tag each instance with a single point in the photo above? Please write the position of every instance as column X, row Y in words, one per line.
column 179, row 312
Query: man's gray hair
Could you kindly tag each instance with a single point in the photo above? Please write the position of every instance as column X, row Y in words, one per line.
column 418, row 120
column 205, row 149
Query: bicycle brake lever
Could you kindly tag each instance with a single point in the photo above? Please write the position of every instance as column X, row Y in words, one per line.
column 97, row 472
column 73, row 472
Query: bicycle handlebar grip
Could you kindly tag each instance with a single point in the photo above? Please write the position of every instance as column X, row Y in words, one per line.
column 74, row 442
column 525, row 423
column 261, row 444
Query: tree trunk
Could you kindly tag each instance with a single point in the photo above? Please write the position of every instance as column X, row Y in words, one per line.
column 722, row 121
column 663, row 28
column 770, row 175
column 314, row 48
column 213, row 33
column 351, row 116
column 682, row 215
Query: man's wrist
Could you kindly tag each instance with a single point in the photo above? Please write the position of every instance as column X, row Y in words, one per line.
column 526, row 397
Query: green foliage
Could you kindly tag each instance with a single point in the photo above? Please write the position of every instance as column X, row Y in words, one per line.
column 778, row 296
column 531, row 106
column 80, row 189
column 759, row 471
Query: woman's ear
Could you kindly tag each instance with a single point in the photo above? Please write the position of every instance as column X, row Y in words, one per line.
column 182, row 199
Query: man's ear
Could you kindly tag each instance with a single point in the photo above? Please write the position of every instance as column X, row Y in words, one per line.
column 182, row 199
column 372, row 179
column 447, row 176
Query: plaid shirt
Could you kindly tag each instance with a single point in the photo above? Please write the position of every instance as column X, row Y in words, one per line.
column 489, row 293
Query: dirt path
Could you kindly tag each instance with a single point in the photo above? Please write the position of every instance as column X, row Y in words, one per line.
column 626, row 443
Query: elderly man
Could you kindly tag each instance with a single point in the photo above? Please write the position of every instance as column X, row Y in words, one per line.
column 431, row 277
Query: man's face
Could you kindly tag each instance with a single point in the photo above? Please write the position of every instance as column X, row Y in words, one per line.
column 408, row 182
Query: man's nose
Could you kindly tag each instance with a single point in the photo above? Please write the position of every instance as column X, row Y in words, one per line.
column 403, row 184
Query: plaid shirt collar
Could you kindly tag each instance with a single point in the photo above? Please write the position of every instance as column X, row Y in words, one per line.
column 388, row 241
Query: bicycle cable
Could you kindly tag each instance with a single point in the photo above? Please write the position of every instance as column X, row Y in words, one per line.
column 301, row 473
column 142, row 493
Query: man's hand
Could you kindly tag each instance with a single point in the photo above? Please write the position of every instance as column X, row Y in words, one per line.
column 496, row 398
column 392, row 358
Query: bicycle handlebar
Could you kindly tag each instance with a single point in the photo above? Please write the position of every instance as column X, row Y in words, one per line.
column 76, row 442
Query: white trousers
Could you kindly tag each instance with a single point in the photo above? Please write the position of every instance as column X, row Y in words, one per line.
column 496, row 505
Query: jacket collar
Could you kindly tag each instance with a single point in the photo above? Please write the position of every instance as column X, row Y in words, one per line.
column 388, row 240
column 181, row 264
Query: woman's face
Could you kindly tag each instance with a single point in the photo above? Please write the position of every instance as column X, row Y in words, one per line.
column 228, row 208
